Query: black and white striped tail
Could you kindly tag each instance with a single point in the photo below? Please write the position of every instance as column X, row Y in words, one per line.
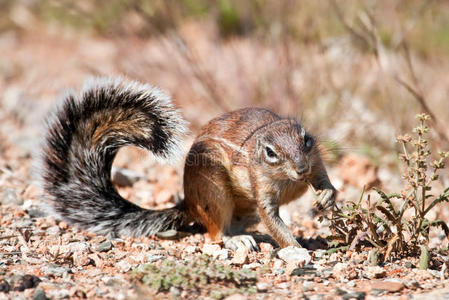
column 83, row 137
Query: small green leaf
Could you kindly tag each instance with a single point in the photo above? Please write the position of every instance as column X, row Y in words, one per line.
column 443, row 197
column 386, row 198
column 387, row 213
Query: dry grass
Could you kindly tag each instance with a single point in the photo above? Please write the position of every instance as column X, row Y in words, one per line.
column 385, row 224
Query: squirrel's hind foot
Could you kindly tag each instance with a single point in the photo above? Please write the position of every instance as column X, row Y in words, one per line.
column 244, row 240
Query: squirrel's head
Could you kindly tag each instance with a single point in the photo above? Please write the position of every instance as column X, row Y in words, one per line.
column 286, row 150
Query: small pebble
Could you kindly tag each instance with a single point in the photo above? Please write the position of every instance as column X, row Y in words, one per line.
column 307, row 286
column 377, row 292
column 279, row 271
column 81, row 258
column 39, row 294
column 59, row 294
column 277, row 264
column 340, row 270
column 26, row 282
column 54, row 270
column 236, row 297
column 375, row 272
column 221, row 254
column 191, row 249
column 240, row 256
column 284, row 285
column 4, row 286
column 175, row 292
column 303, row 272
column 36, row 213
column 263, row 286
column 53, row 230
column 124, row 266
column 251, row 266
column 316, row 297
column 210, row 249
column 152, row 258
column 104, row 246
column 319, row 254
column 80, row 294
column 292, row 253
column 78, row 246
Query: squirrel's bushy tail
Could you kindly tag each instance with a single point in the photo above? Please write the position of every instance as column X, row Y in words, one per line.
column 83, row 138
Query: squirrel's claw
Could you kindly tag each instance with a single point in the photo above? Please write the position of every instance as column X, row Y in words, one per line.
column 246, row 241
column 326, row 199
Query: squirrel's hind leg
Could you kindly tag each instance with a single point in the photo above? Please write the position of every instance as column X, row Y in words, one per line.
column 210, row 204
column 207, row 199
column 208, row 196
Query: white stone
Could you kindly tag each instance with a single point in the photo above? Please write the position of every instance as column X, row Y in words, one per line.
column 295, row 254
column 221, row 254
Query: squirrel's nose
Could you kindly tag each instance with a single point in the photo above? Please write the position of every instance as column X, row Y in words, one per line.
column 302, row 168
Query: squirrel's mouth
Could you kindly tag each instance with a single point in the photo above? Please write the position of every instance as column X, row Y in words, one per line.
column 296, row 175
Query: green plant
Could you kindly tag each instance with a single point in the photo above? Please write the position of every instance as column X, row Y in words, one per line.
column 383, row 224
column 193, row 275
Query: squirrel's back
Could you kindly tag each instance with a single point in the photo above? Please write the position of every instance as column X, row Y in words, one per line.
column 83, row 137
column 238, row 125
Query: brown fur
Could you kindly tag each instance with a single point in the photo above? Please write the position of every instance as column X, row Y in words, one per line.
column 225, row 175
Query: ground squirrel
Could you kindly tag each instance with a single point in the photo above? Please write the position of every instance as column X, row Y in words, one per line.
column 242, row 163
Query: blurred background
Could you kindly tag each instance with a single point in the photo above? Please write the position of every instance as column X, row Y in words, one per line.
column 355, row 72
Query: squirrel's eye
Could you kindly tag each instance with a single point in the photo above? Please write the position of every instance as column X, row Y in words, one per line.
column 270, row 152
column 308, row 142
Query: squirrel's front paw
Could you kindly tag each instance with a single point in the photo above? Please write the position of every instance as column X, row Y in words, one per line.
column 325, row 199
column 246, row 241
